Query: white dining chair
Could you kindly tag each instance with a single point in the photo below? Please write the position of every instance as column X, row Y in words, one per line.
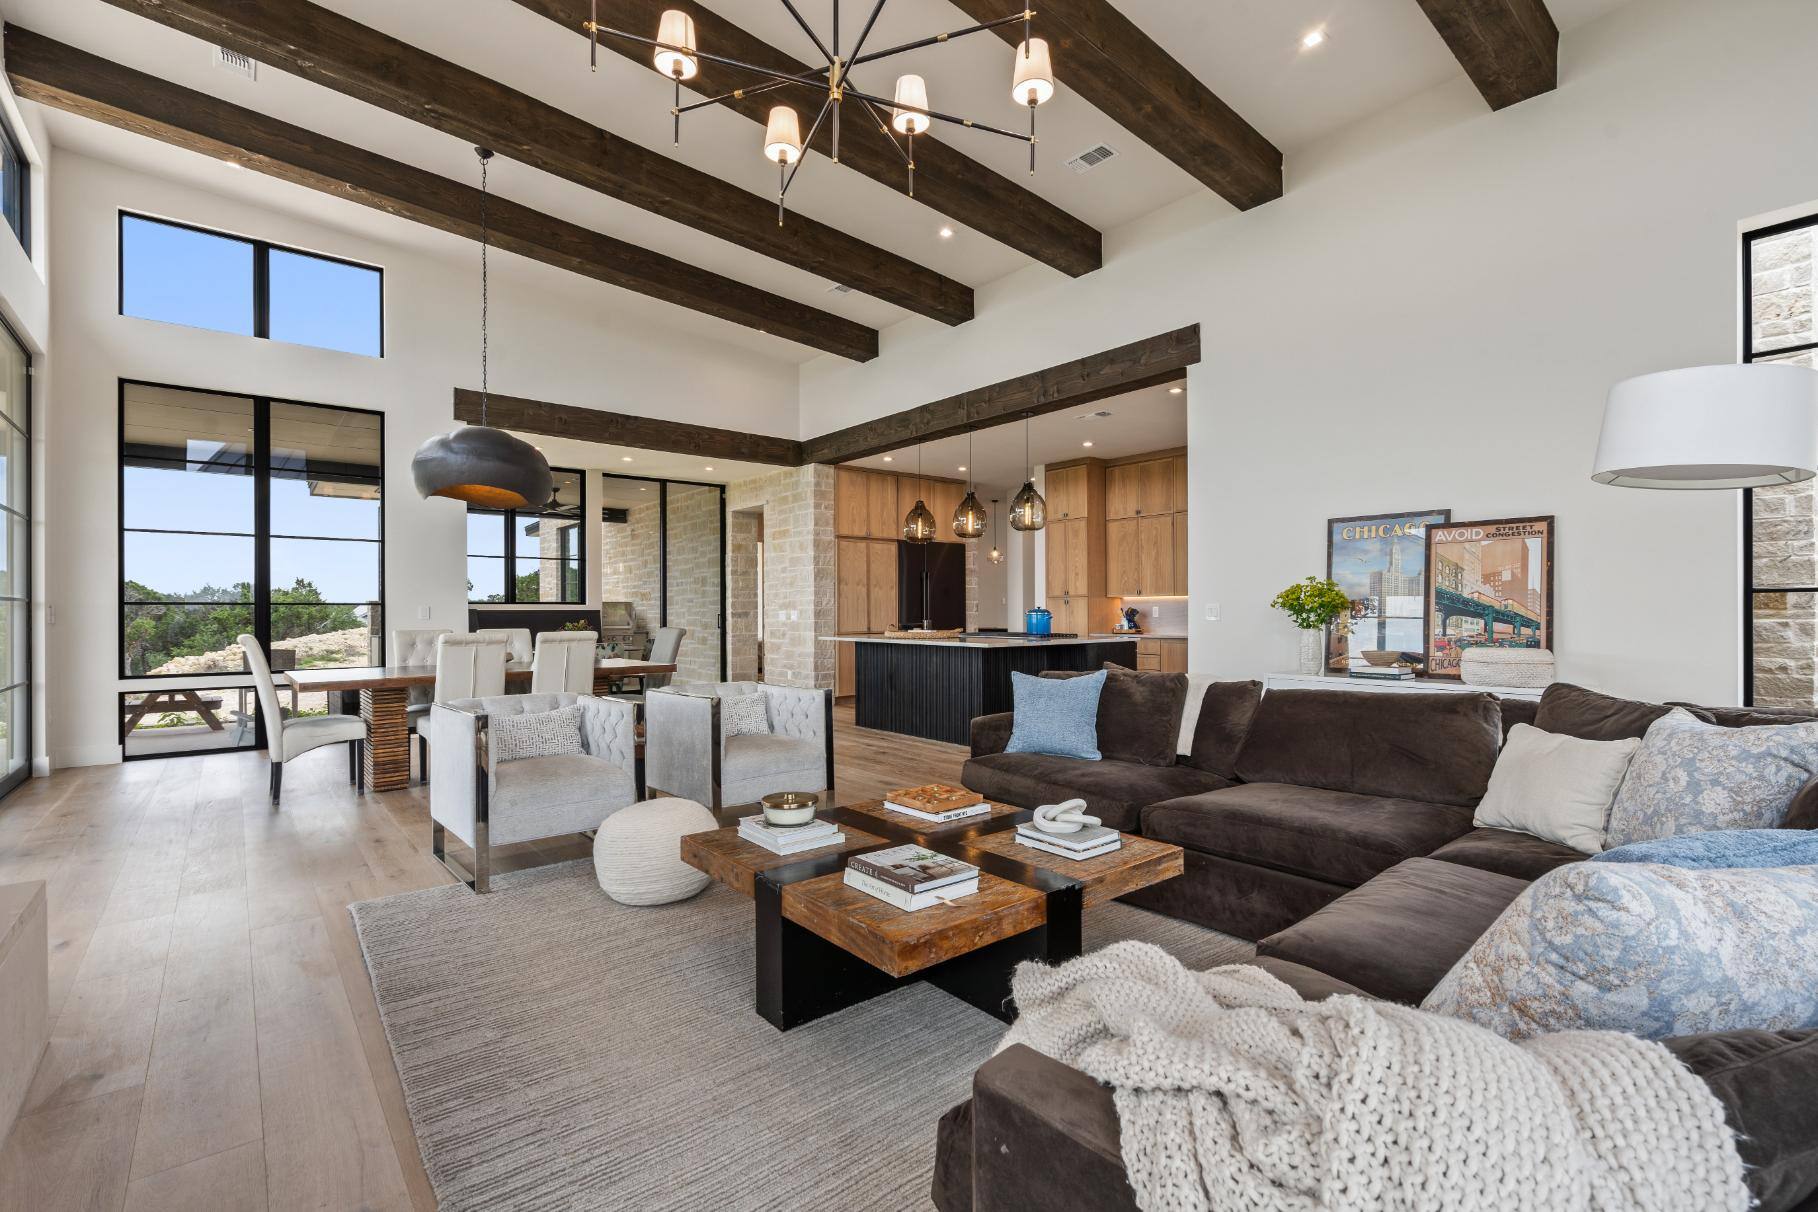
column 469, row 665
column 518, row 648
column 563, row 662
column 288, row 736
column 417, row 647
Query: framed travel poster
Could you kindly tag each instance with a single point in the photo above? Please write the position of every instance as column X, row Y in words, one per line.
column 1491, row 583
column 1380, row 563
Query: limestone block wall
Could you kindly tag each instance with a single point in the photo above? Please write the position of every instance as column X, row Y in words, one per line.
column 1785, row 523
column 799, row 589
column 632, row 569
column 744, row 531
column 694, row 579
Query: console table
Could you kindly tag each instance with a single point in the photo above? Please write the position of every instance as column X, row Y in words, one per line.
column 1315, row 681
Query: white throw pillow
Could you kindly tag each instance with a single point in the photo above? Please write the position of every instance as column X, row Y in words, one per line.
column 535, row 734
column 743, row 713
column 1555, row 787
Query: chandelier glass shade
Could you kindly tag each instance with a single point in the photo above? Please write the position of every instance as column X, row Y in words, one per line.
column 996, row 554
column 969, row 519
column 918, row 524
column 476, row 463
column 677, row 55
column 1027, row 509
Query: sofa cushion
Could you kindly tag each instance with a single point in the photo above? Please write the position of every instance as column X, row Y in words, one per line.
column 1225, row 714
column 1312, row 984
column 1516, row 711
column 1334, row 836
column 1058, row 717
column 566, row 793
column 1437, row 747
column 1398, row 935
column 1555, row 786
column 1507, row 852
column 1139, row 716
column 1590, row 716
column 1690, row 776
column 1115, row 792
column 1767, row 1082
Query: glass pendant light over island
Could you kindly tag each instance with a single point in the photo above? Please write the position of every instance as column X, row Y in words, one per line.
column 919, row 525
column 1027, row 509
column 677, row 55
column 969, row 518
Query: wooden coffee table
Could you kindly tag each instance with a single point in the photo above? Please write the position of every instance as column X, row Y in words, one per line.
column 823, row 946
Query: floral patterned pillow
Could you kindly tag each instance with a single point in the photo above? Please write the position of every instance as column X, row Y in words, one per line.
column 1649, row 950
column 1690, row 777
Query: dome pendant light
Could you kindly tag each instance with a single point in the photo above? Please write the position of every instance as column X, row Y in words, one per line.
column 969, row 518
column 996, row 554
column 478, row 464
column 919, row 525
column 1027, row 509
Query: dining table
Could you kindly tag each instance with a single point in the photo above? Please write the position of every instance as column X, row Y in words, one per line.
column 384, row 692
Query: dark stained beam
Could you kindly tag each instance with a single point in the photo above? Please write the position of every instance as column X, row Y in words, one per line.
column 622, row 429
column 1146, row 363
column 1509, row 48
column 945, row 179
column 1100, row 54
column 62, row 76
column 324, row 47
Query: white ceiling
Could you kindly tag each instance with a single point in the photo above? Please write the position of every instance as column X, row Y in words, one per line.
column 1248, row 51
column 1139, row 422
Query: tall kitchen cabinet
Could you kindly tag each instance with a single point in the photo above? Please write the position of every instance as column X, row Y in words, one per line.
column 1075, row 559
column 1146, row 527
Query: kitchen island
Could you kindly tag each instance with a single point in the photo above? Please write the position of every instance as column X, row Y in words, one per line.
column 934, row 688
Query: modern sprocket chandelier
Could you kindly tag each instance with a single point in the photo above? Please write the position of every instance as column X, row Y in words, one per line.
column 906, row 113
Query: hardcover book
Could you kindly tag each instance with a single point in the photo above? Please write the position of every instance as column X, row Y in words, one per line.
column 912, row 868
column 1062, row 851
column 934, row 799
column 890, row 894
column 1091, row 837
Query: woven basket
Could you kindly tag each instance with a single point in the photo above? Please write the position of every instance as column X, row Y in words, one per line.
column 1515, row 668
column 918, row 634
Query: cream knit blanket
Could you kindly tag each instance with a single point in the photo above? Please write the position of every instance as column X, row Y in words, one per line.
column 1232, row 1093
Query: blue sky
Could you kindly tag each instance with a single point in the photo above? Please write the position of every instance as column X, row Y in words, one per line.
column 201, row 280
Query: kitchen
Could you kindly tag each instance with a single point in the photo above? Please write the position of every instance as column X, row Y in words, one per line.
column 928, row 633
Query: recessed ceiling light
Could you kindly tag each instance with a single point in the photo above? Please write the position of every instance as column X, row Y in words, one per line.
column 889, row 459
column 946, row 233
column 709, row 467
column 1175, row 391
column 1085, row 443
column 962, row 467
column 1313, row 38
column 624, row 458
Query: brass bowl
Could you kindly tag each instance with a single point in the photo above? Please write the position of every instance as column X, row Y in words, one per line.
column 786, row 809
column 1381, row 659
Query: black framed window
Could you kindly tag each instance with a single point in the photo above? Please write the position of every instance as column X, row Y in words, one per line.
column 15, row 562
column 244, row 514
column 663, row 564
column 180, row 274
column 1780, row 524
column 523, row 556
column 15, row 186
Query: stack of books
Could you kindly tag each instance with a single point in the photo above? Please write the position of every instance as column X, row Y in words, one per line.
column 788, row 839
column 911, row 877
column 938, row 802
column 1382, row 673
column 1090, row 842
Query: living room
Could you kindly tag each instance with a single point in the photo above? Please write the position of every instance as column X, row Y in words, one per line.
column 267, row 942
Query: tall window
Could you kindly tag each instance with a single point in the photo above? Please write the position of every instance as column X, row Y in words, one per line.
column 205, row 279
column 15, row 186
column 15, row 563
column 516, row 555
column 241, row 514
column 1780, row 524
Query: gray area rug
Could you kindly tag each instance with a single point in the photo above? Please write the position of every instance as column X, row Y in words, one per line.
column 562, row 1051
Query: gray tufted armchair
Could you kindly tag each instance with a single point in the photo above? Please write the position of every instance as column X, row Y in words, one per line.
column 487, row 803
column 686, row 755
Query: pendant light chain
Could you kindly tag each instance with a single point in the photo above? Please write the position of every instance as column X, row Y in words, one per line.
column 485, row 300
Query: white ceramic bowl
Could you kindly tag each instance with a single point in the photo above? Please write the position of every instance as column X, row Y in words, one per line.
column 786, row 808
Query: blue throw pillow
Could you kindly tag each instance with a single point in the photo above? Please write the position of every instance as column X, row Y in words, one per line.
column 1057, row 716
column 1723, row 848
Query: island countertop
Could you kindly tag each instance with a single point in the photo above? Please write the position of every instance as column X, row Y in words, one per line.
column 974, row 641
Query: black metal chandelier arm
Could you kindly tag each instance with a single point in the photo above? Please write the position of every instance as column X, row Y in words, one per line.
column 739, row 94
column 806, row 145
column 783, row 77
column 866, row 32
column 940, row 117
column 809, row 30
column 884, row 126
column 874, row 56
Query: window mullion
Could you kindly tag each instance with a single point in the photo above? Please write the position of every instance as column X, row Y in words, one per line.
column 261, row 452
column 261, row 289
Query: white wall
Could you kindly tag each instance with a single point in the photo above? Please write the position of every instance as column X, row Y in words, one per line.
column 554, row 337
column 1431, row 318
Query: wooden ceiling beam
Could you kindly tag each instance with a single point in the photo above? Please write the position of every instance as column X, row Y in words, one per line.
column 328, row 49
column 622, row 429
column 54, row 74
column 945, row 179
column 1509, row 48
column 1101, row 54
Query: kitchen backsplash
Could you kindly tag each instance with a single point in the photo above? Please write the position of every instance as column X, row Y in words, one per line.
column 1166, row 616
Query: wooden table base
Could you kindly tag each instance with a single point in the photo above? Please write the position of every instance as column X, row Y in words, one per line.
column 387, row 738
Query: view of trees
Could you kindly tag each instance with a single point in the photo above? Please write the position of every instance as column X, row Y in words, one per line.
column 213, row 618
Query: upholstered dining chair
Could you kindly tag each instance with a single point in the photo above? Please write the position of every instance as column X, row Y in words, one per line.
column 469, row 665
column 563, row 662
column 663, row 651
column 518, row 648
column 288, row 736
column 417, row 648
column 687, row 751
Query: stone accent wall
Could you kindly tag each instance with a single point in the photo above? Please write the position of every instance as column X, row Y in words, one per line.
column 694, row 579
column 744, row 530
column 973, row 556
column 1785, row 522
column 549, row 547
column 632, row 570
column 799, row 587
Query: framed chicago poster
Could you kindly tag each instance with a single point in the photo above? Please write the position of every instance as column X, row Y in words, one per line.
column 1489, row 583
column 1380, row 562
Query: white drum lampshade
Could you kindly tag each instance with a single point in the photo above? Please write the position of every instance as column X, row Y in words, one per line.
column 676, row 30
column 1751, row 425
column 910, row 116
column 783, row 136
column 1034, row 82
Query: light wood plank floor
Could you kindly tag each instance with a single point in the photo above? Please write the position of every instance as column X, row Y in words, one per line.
column 214, row 1039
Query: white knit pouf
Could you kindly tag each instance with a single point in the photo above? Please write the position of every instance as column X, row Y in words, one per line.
column 637, row 852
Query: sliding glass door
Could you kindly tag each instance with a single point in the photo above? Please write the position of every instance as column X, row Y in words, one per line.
column 663, row 544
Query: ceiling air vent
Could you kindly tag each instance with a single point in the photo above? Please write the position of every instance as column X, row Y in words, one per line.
column 1091, row 158
column 235, row 62
column 839, row 289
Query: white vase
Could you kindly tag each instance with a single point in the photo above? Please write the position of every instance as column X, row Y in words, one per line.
column 1313, row 650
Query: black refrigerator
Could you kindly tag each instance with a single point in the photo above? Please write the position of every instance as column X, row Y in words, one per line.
column 931, row 585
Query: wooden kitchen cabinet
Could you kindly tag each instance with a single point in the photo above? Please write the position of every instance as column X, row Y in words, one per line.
column 850, row 502
column 1136, row 490
column 1174, row 656
column 845, row 673
column 881, row 589
column 909, row 490
column 883, row 522
column 944, row 501
column 1054, row 572
column 1180, row 555
column 1177, row 471
column 852, row 608
column 1155, row 554
column 1066, row 493
column 1121, row 491
column 1122, row 577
